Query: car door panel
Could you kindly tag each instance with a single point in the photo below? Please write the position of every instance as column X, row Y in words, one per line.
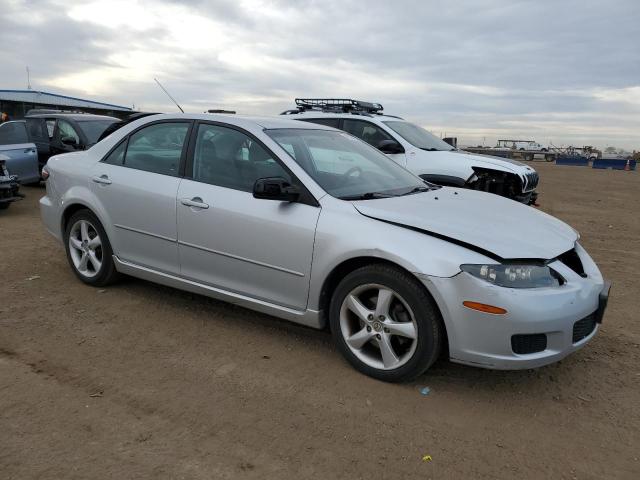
column 142, row 202
column 231, row 240
column 259, row 248
column 142, row 207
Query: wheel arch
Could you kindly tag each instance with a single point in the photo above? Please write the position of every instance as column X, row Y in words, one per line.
column 347, row 266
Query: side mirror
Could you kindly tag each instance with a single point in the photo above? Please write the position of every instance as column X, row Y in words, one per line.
column 390, row 146
column 69, row 141
column 275, row 188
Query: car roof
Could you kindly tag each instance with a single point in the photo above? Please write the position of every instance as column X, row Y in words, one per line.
column 266, row 122
column 79, row 117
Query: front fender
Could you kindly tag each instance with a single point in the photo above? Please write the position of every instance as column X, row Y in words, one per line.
column 343, row 234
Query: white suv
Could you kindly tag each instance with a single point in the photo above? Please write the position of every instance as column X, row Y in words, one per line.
column 419, row 151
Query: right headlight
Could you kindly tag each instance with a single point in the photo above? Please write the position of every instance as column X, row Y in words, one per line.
column 515, row 275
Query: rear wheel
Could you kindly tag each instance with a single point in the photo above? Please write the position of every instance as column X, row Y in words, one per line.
column 88, row 250
column 385, row 323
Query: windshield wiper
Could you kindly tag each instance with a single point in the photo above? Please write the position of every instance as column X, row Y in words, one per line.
column 429, row 149
column 415, row 190
column 367, row 196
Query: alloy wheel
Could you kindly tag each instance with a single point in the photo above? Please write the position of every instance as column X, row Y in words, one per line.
column 85, row 248
column 378, row 326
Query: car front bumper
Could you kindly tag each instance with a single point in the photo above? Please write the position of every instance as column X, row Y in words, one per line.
column 489, row 340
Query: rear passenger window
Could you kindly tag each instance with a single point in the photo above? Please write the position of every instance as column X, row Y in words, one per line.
column 229, row 158
column 157, row 148
column 116, row 157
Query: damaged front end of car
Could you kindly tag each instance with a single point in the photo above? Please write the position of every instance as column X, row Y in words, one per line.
column 506, row 184
column 9, row 186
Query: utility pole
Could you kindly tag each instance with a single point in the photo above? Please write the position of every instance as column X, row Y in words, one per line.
column 28, row 79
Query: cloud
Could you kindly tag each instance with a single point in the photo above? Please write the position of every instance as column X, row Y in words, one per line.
column 569, row 71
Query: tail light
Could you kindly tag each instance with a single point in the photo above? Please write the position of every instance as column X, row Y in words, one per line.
column 45, row 173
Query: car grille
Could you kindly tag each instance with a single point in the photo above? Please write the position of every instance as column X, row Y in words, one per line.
column 530, row 182
column 532, row 343
column 583, row 328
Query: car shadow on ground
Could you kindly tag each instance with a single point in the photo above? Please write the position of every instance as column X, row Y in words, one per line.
column 443, row 375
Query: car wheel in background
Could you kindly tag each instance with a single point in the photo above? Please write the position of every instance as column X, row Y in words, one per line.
column 4, row 206
column 88, row 250
column 385, row 323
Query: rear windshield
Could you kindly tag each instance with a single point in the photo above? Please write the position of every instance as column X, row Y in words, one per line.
column 94, row 128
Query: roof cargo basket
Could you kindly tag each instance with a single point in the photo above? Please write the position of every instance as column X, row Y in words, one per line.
column 335, row 105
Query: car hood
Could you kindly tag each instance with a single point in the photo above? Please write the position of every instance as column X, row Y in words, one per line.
column 485, row 161
column 483, row 221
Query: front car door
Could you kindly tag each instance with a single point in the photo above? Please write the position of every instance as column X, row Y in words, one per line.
column 137, row 183
column 231, row 240
column 64, row 134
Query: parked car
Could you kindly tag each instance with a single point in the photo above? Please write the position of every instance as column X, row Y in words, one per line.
column 420, row 151
column 20, row 153
column 61, row 132
column 312, row 225
column 9, row 186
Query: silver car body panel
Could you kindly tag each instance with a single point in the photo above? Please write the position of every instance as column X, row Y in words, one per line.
column 275, row 257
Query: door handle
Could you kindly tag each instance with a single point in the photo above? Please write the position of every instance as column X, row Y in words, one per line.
column 103, row 179
column 195, row 202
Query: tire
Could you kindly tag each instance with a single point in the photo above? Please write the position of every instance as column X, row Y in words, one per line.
column 4, row 205
column 362, row 338
column 98, row 270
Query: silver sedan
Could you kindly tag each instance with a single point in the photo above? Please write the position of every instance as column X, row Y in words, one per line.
column 312, row 225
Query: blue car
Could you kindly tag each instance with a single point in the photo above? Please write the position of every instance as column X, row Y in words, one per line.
column 20, row 154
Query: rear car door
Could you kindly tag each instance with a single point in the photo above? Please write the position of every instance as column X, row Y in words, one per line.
column 137, row 184
column 231, row 240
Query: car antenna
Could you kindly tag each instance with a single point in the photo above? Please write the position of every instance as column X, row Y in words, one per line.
column 168, row 95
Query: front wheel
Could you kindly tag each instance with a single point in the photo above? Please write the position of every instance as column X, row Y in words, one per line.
column 88, row 250
column 385, row 323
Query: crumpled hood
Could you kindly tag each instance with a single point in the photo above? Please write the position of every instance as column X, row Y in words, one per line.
column 503, row 227
column 488, row 161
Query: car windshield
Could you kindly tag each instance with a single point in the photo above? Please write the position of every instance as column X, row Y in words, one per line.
column 418, row 136
column 344, row 166
column 94, row 128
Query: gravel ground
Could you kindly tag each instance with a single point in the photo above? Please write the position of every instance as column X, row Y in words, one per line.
column 142, row 381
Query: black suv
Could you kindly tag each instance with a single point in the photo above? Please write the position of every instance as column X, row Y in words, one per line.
column 60, row 132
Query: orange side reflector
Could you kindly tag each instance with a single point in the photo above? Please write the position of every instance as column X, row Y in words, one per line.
column 481, row 307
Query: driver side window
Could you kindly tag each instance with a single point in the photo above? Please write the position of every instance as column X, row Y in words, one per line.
column 370, row 133
column 229, row 158
column 65, row 129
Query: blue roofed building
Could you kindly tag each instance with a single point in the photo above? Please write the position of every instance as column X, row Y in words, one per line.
column 16, row 104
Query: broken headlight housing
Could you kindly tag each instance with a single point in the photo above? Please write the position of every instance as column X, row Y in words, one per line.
column 515, row 275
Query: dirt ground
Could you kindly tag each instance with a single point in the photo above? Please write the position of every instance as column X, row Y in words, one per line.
column 142, row 381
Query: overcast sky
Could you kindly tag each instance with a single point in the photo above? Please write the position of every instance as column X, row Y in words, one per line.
column 561, row 71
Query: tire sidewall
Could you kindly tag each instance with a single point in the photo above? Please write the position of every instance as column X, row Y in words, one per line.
column 107, row 266
column 420, row 302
